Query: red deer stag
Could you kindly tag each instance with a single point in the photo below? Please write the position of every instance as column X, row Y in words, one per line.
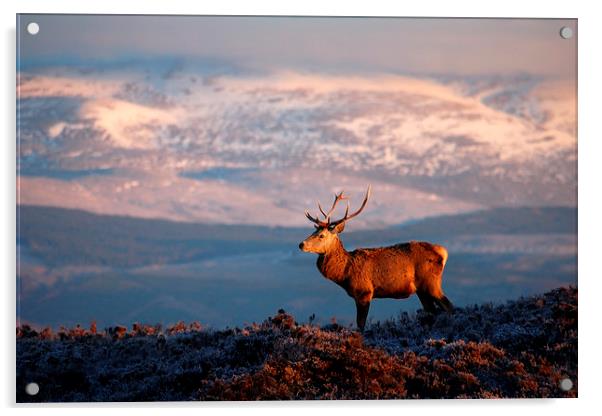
column 396, row 272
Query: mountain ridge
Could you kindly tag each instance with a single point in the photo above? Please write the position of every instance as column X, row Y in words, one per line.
column 53, row 233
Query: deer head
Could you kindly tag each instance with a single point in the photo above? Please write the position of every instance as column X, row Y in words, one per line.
column 327, row 231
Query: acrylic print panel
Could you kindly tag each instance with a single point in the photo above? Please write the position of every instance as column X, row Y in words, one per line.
column 165, row 164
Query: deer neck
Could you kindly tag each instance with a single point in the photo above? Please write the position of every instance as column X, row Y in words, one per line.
column 333, row 263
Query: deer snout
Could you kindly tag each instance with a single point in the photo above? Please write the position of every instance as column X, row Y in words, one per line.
column 301, row 245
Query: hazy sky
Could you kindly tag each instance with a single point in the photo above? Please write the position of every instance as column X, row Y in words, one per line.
column 415, row 45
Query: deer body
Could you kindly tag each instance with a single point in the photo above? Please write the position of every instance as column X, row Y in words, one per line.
column 388, row 272
column 396, row 272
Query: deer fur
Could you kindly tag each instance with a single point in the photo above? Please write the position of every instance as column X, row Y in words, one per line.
column 396, row 271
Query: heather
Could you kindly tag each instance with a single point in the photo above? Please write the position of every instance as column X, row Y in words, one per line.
column 522, row 348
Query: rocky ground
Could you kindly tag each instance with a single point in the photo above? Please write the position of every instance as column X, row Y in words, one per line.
column 524, row 348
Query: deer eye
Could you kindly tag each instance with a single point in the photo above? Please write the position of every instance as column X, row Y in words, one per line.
column 321, row 235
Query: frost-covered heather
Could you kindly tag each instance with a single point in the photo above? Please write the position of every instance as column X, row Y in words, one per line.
column 520, row 349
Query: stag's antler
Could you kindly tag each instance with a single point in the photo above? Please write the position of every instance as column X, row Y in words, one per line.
column 316, row 220
column 337, row 198
column 347, row 217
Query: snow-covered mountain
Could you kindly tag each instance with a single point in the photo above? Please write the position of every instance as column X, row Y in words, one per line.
column 183, row 142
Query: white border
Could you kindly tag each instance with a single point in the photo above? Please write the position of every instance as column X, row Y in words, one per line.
column 590, row 94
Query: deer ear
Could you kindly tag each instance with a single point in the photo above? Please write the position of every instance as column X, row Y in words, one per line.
column 339, row 228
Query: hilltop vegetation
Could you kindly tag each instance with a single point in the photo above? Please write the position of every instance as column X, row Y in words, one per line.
column 521, row 349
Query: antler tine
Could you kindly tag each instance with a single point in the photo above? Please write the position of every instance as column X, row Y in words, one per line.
column 364, row 202
column 321, row 210
column 356, row 213
column 346, row 210
column 315, row 220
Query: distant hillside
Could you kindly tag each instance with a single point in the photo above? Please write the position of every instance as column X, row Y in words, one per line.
column 521, row 349
column 64, row 236
column 401, row 133
column 522, row 220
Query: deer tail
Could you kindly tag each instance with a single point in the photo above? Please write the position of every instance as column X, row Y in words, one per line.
column 440, row 250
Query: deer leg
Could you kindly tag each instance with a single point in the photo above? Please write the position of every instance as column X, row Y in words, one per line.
column 444, row 303
column 362, row 314
column 427, row 302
